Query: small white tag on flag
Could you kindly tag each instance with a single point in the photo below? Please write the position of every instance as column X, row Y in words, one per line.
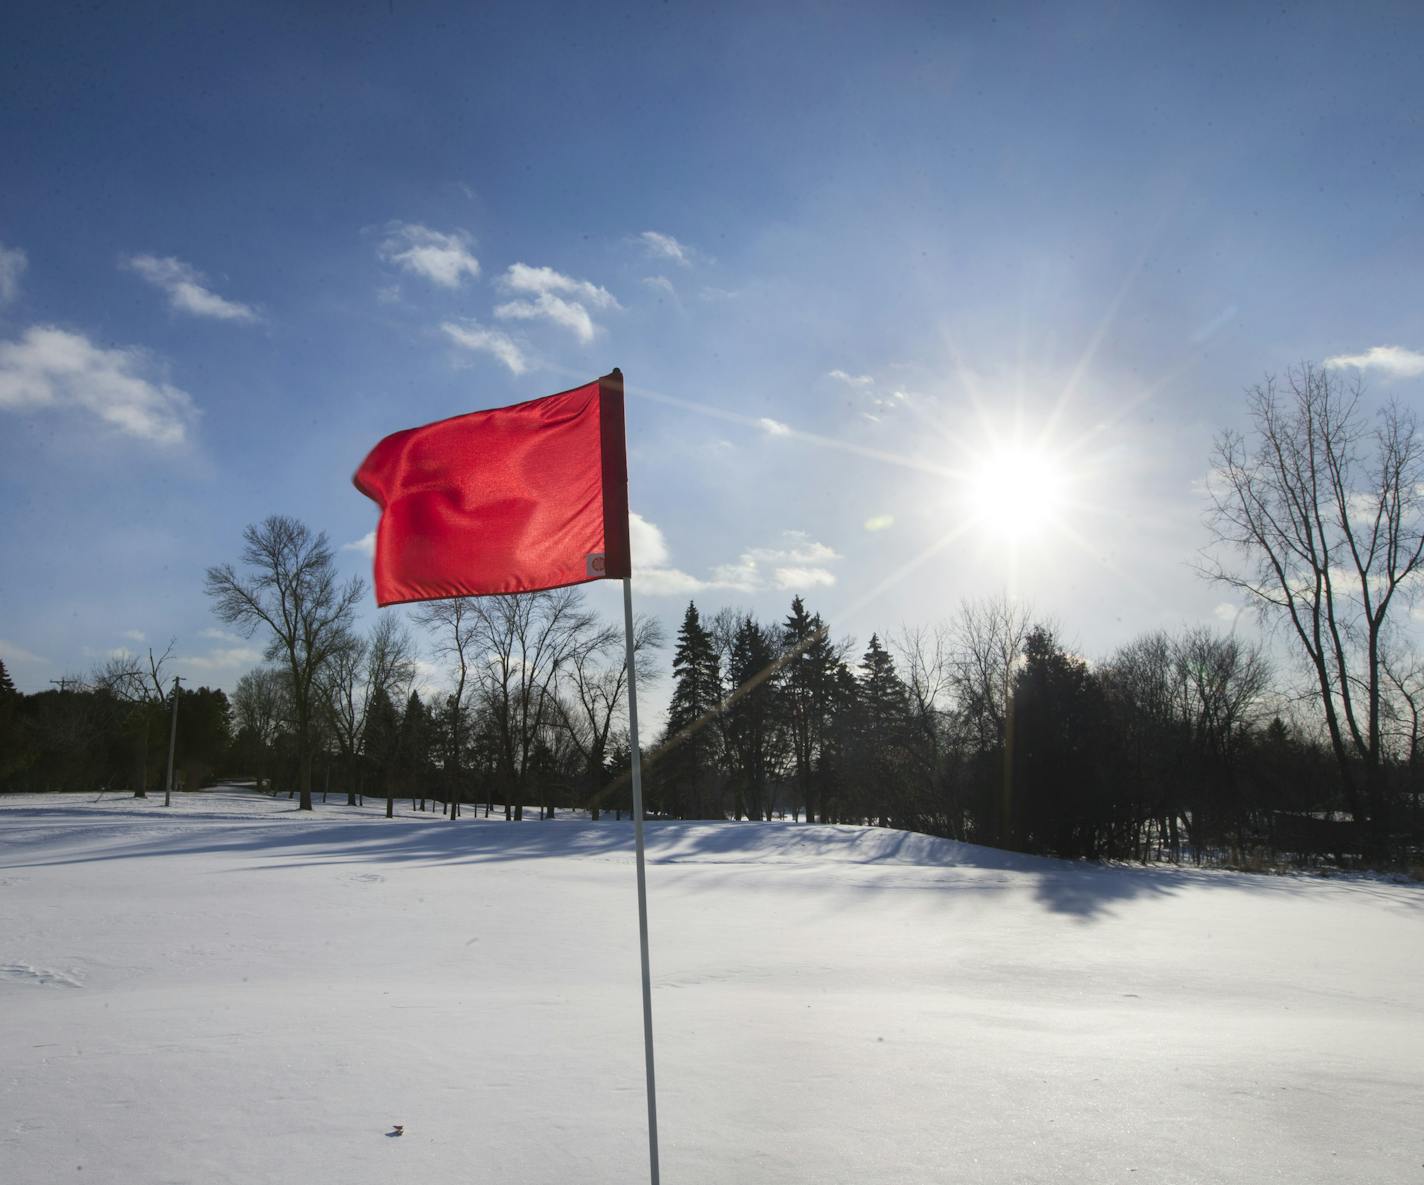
column 596, row 567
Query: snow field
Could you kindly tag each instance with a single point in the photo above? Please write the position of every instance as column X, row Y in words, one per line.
column 229, row 991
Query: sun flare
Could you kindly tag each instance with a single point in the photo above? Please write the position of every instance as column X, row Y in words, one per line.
column 1016, row 491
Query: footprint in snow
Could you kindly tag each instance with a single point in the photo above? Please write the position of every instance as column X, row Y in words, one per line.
column 368, row 878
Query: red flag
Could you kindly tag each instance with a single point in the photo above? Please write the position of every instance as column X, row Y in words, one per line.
column 514, row 499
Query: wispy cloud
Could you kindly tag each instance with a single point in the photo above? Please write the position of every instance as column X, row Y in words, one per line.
column 661, row 284
column 135, row 635
column 366, row 545
column 223, row 659
column 187, row 288
column 14, row 652
column 1395, row 361
column 552, row 296
column 798, row 562
column 850, row 380
column 773, row 427
column 443, row 258
column 879, row 522
column 54, row 368
column 13, row 263
column 471, row 335
column 662, row 246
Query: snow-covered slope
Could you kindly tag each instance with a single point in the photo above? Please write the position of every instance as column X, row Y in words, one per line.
column 228, row 991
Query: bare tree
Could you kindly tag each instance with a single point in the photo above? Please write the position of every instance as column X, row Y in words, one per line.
column 260, row 707
column 1327, row 517
column 986, row 644
column 525, row 641
column 594, row 694
column 141, row 684
column 927, row 670
column 290, row 588
column 360, row 667
column 454, row 625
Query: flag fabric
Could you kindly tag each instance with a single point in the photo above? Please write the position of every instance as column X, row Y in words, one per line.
column 514, row 499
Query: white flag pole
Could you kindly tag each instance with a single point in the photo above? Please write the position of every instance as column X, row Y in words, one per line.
column 642, row 879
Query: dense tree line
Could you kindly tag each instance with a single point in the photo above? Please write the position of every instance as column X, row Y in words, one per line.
column 89, row 734
column 986, row 728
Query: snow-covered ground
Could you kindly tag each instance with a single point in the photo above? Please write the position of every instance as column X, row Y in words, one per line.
column 228, row 991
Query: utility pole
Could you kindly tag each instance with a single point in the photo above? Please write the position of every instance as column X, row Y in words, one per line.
column 65, row 684
column 172, row 742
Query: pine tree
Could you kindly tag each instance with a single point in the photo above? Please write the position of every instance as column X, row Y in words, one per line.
column 687, row 759
column 808, row 685
column 7, row 686
column 413, row 741
column 1060, row 718
column 754, row 719
column 880, row 733
column 379, row 745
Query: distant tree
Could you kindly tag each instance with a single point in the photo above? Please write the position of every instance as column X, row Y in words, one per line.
column 926, row 660
column 1059, row 799
column 686, row 759
column 456, row 627
column 260, row 705
column 204, row 734
column 15, row 751
column 1327, row 517
column 380, row 745
column 144, row 687
column 290, row 589
column 1221, row 682
column 810, row 669
column 880, row 734
column 525, row 642
column 594, row 698
column 754, row 719
column 413, row 747
column 358, row 666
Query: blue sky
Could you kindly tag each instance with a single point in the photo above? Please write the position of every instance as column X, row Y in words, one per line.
column 846, row 256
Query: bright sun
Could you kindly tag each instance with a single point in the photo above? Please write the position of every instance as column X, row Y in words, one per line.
column 1015, row 491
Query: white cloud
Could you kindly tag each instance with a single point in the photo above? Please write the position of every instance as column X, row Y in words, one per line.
column 51, row 367
column 797, row 548
column 471, row 335
column 661, row 284
column 1227, row 611
column 221, row 635
column 13, row 652
column 441, row 258
column 228, row 658
column 773, row 427
column 568, row 313
column 797, row 563
column 522, row 278
column 13, row 262
column 555, row 297
column 135, row 635
column 850, row 380
column 794, row 578
column 366, row 545
column 661, row 246
column 1393, row 360
column 879, row 522
column 187, row 288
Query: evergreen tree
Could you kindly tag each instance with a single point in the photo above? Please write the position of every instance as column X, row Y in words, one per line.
column 380, row 743
column 687, row 760
column 809, row 691
column 413, row 743
column 754, row 718
column 880, row 733
column 1059, row 797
